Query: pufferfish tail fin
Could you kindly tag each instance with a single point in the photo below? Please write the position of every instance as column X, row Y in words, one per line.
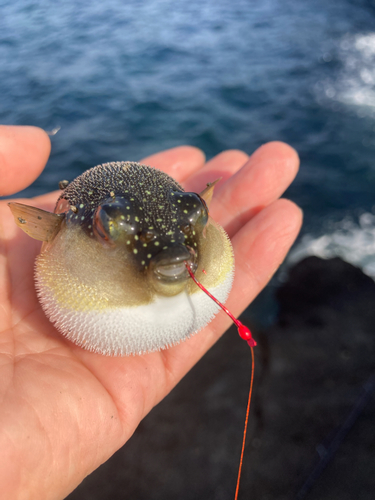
column 37, row 223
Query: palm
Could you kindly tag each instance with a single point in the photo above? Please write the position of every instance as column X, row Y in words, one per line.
column 66, row 410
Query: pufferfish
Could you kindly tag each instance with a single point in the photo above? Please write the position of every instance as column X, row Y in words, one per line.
column 112, row 275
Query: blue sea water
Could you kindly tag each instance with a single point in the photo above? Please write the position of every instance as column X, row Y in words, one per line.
column 126, row 79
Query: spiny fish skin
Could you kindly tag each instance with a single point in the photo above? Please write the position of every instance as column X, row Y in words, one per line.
column 111, row 275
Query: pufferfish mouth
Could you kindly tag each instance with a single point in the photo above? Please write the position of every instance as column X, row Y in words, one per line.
column 171, row 271
column 168, row 266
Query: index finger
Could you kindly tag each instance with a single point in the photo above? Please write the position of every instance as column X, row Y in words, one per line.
column 180, row 162
column 261, row 181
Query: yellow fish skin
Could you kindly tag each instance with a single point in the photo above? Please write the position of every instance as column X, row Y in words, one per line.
column 111, row 275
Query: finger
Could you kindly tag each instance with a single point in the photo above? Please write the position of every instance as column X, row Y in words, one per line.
column 261, row 181
column 223, row 166
column 24, row 152
column 179, row 163
column 44, row 201
column 260, row 248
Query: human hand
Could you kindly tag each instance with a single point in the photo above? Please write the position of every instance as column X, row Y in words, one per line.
column 64, row 410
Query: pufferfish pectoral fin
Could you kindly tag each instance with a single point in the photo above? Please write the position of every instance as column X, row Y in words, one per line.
column 208, row 192
column 37, row 223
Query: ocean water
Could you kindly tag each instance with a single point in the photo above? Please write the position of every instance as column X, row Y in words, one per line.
column 125, row 79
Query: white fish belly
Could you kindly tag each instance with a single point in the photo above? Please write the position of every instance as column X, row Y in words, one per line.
column 121, row 331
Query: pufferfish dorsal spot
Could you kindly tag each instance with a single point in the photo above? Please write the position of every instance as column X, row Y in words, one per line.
column 113, row 277
column 39, row 224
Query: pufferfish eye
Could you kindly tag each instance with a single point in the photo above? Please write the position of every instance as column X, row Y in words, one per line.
column 114, row 220
column 193, row 210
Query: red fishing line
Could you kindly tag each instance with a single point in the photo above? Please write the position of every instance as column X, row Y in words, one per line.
column 246, row 335
column 243, row 331
column 246, row 422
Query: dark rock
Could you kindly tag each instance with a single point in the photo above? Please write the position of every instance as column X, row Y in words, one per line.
column 316, row 288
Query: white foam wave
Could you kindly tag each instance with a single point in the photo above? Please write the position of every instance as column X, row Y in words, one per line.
column 353, row 242
column 355, row 83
